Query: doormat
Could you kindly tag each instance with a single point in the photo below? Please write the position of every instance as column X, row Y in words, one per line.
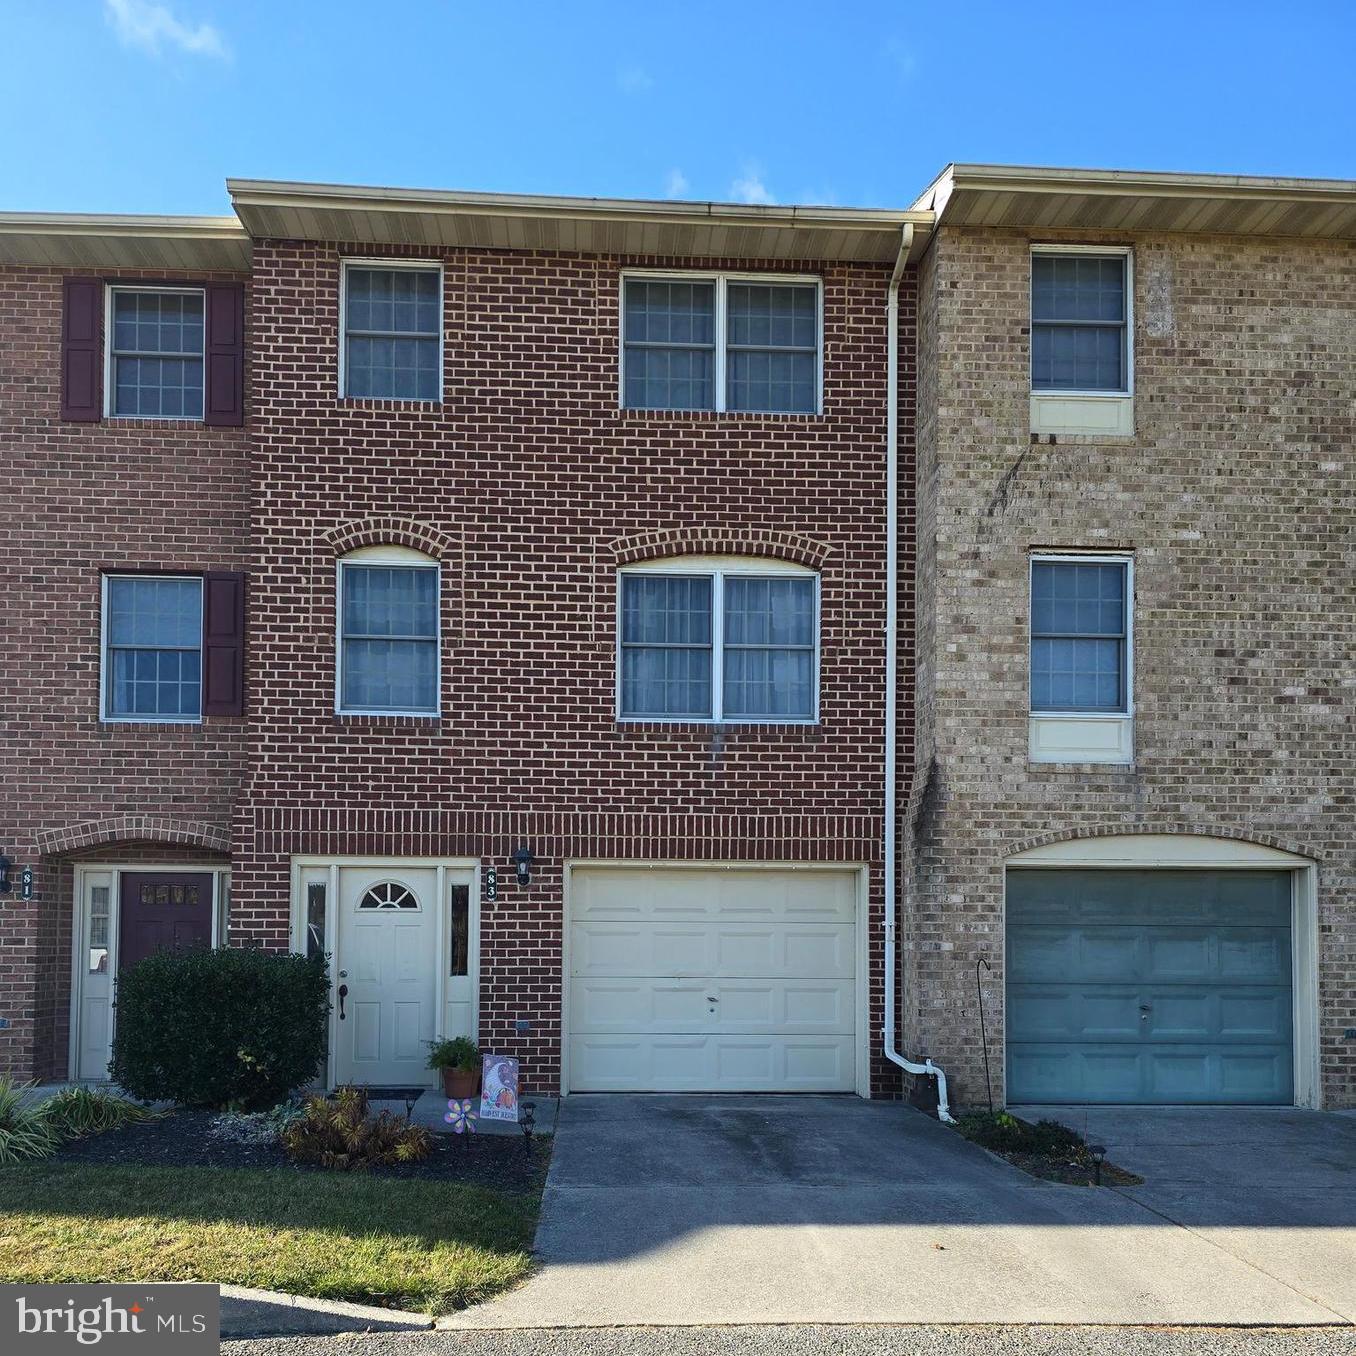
column 394, row 1094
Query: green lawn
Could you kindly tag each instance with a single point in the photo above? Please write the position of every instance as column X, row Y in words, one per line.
column 430, row 1246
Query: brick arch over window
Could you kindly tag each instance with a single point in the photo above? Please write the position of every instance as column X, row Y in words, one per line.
column 389, row 530
column 1174, row 829
column 682, row 541
column 134, row 829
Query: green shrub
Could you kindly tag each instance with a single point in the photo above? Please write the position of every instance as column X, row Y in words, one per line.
column 457, row 1053
column 25, row 1131
column 227, row 1028
column 1004, row 1133
column 339, row 1133
column 74, row 1112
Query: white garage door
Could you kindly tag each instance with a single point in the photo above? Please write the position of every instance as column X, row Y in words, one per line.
column 712, row 980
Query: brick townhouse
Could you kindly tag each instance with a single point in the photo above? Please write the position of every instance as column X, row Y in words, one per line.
column 1136, row 639
column 501, row 611
column 493, row 593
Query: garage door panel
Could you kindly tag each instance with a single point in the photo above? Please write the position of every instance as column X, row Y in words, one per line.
column 647, row 1006
column 712, row 980
column 660, row 951
column 711, row 1063
column 1185, row 998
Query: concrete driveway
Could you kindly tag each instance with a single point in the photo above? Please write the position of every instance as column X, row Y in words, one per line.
column 733, row 1210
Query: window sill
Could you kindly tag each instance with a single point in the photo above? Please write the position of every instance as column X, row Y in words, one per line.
column 1074, row 413
column 694, row 725
column 395, row 717
column 744, row 416
column 387, row 403
column 1078, row 738
column 161, row 722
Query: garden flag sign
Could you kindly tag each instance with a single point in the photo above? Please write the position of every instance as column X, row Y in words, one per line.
column 499, row 1089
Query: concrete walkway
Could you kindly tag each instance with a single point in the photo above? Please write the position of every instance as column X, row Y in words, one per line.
column 739, row 1210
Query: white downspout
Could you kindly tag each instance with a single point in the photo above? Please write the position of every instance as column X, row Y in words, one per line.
column 891, row 668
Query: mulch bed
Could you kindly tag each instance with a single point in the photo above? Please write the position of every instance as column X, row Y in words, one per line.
column 181, row 1140
column 1070, row 1173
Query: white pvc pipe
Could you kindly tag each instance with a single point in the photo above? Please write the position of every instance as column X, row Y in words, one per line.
column 891, row 669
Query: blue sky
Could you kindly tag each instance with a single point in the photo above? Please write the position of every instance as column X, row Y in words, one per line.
column 147, row 105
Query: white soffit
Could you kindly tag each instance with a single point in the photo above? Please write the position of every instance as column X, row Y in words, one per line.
column 1131, row 200
column 79, row 240
column 437, row 220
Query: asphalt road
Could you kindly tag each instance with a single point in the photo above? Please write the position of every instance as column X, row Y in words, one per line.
column 845, row 1340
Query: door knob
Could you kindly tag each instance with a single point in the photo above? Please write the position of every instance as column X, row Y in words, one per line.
column 343, row 993
column 343, row 974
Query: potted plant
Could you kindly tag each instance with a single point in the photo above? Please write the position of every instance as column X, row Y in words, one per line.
column 458, row 1060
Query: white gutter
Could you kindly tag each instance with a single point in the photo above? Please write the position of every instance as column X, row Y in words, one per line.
column 927, row 1067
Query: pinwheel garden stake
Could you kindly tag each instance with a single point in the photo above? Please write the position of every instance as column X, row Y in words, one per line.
column 460, row 1115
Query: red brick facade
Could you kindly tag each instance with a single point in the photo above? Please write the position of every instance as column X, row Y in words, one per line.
column 530, row 487
column 135, row 494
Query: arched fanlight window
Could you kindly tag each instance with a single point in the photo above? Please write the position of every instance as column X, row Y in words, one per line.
column 389, row 894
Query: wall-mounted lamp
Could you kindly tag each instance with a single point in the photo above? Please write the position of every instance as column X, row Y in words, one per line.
column 6, row 885
column 522, row 863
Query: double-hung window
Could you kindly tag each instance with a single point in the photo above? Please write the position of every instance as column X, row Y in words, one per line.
column 1082, row 351
column 392, row 342
column 718, row 641
column 155, row 358
column 723, row 343
column 153, row 641
column 1080, row 658
column 1079, row 322
column 388, row 635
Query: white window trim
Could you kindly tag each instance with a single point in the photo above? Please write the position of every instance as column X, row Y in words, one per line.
column 1073, row 392
column 1053, row 736
column 722, row 281
column 110, row 393
column 408, row 558
column 717, row 568
column 105, row 671
column 422, row 265
column 1087, row 558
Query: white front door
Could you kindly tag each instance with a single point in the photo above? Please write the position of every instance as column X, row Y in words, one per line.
column 386, row 988
column 727, row 979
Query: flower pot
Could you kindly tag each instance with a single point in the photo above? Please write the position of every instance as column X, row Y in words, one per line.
column 461, row 1083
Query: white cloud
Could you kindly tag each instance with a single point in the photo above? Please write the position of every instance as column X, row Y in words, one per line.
column 634, row 80
column 676, row 184
column 749, row 187
column 151, row 27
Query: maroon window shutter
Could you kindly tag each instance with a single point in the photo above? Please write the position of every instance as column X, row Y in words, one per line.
column 82, row 359
column 224, row 397
column 223, row 643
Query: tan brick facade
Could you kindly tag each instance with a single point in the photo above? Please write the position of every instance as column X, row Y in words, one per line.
column 1236, row 496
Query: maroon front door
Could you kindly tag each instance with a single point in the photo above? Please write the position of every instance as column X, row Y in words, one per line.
column 163, row 910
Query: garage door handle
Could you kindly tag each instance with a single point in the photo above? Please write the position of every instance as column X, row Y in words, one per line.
column 709, row 999
column 1144, row 1010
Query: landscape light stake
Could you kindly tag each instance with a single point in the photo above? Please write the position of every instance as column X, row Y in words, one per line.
column 1098, row 1152
column 983, row 1035
column 529, row 1119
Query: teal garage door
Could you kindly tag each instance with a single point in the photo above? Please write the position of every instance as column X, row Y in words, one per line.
column 1149, row 987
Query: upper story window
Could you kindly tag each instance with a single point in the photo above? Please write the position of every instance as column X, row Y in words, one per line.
column 388, row 633
column 392, row 323
column 718, row 640
column 155, row 355
column 1080, row 320
column 153, row 641
column 725, row 343
column 1080, row 635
